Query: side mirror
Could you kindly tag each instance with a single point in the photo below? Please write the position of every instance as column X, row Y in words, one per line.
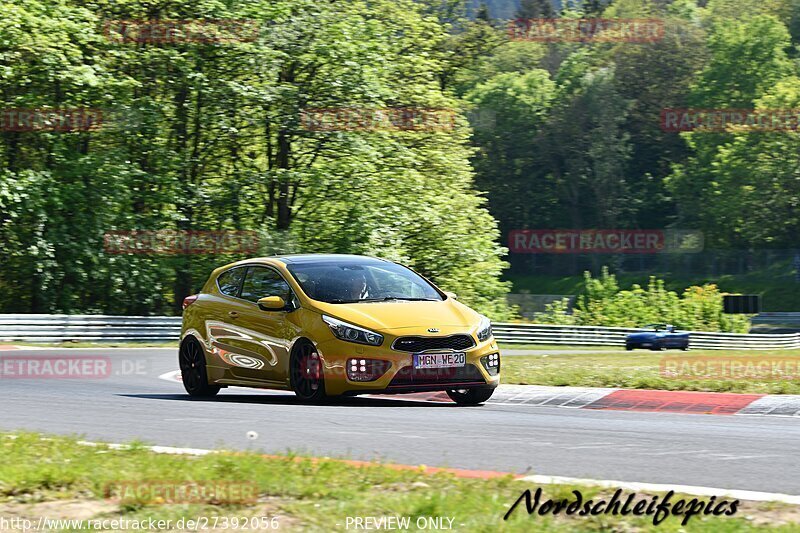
column 452, row 295
column 272, row 303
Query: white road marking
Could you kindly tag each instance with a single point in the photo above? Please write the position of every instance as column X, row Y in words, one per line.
column 155, row 449
column 208, row 420
column 614, row 444
column 659, row 487
column 174, row 375
column 679, row 452
column 733, row 457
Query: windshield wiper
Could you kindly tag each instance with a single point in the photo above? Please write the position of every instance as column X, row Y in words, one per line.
column 389, row 298
column 385, row 299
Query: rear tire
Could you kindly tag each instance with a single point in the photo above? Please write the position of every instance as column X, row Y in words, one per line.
column 470, row 396
column 306, row 375
column 192, row 362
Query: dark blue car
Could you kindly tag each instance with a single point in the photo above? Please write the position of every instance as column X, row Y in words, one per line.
column 659, row 337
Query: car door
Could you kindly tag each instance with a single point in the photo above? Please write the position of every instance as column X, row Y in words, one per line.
column 269, row 332
column 221, row 333
column 657, row 336
column 671, row 337
column 679, row 338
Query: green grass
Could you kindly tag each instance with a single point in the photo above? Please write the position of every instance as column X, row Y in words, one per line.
column 779, row 292
column 638, row 369
column 308, row 495
column 541, row 347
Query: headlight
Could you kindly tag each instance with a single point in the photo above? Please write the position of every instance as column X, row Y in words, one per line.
column 484, row 329
column 351, row 333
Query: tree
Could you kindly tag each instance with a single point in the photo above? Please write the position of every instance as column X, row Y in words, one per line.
column 747, row 60
column 653, row 77
column 752, row 184
column 588, row 150
column 507, row 163
column 483, row 13
column 532, row 9
column 208, row 136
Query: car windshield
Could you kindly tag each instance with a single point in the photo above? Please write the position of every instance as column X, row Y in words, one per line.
column 657, row 327
column 356, row 282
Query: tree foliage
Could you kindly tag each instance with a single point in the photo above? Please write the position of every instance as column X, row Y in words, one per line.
column 207, row 136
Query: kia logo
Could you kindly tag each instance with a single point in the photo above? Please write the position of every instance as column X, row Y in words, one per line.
column 433, row 330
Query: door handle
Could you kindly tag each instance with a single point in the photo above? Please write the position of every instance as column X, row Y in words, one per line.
column 233, row 314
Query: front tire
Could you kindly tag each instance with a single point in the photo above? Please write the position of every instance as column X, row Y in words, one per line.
column 192, row 362
column 470, row 396
column 306, row 375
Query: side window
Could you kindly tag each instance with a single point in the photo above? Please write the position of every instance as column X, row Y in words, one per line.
column 230, row 281
column 261, row 282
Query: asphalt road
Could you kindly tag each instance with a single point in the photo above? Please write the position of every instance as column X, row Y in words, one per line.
column 731, row 452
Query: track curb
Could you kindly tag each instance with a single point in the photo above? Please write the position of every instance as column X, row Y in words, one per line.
column 613, row 399
column 642, row 400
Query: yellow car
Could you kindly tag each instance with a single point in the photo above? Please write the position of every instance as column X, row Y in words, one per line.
column 330, row 325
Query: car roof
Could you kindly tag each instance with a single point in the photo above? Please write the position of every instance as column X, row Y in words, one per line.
column 290, row 259
column 326, row 258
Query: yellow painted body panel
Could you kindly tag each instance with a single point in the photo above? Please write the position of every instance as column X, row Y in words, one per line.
column 253, row 348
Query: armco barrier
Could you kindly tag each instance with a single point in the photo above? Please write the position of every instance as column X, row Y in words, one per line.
column 603, row 336
column 782, row 318
column 59, row 328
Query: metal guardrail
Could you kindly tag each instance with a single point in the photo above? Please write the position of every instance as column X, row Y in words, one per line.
column 783, row 318
column 607, row 336
column 60, row 328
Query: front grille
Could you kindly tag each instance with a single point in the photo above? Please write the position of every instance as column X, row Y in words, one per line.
column 421, row 344
column 409, row 375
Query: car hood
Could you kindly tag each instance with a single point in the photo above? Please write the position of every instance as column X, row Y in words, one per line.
column 448, row 315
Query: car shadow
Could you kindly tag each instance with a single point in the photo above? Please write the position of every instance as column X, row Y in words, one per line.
column 291, row 399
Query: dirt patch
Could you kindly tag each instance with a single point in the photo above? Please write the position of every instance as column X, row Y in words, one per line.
column 97, row 509
column 67, row 509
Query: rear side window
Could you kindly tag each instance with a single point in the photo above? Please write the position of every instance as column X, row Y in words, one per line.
column 230, row 281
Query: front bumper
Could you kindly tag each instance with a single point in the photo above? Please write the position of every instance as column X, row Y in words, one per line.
column 401, row 377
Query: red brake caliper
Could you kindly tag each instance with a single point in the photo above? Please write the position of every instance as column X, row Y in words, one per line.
column 312, row 367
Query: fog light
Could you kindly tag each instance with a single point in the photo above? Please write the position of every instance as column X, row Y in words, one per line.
column 366, row 369
column 491, row 363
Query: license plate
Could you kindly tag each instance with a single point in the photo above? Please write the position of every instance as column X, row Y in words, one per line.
column 440, row 360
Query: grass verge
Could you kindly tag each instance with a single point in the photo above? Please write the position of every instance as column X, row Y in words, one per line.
column 642, row 369
column 542, row 347
column 64, row 479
